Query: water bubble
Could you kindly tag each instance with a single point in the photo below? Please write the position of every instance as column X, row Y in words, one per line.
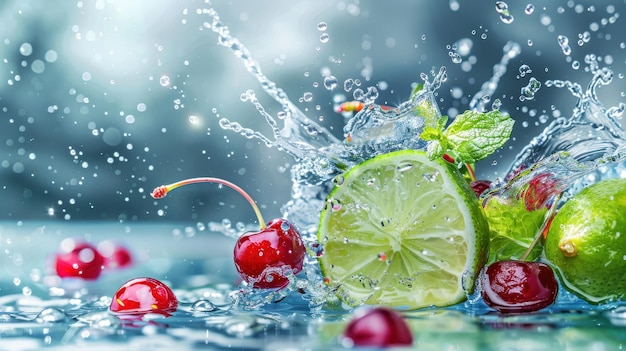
column 404, row 166
column 51, row 56
column 358, row 94
column 464, row 46
column 324, row 38
column 503, row 9
column 348, row 84
column 564, row 44
column 524, row 70
column 164, row 81
column 456, row 58
column 195, row 120
column 330, row 82
column 528, row 92
column 530, row 8
column 322, row 26
column 496, row 105
column 50, row 315
column 454, row 5
column 26, row 49
column 308, row 96
column 38, row 66
column 203, row 306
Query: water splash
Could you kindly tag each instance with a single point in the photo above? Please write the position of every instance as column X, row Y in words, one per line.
column 592, row 132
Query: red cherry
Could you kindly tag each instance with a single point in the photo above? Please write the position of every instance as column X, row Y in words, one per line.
column 78, row 259
column 379, row 327
column 539, row 191
column 115, row 254
column 479, row 186
column 519, row 286
column 260, row 257
column 264, row 258
column 143, row 295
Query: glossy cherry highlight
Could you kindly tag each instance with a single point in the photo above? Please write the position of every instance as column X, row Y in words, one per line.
column 140, row 296
column 378, row 327
column 264, row 259
column 519, row 286
column 513, row 286
column 78, row 259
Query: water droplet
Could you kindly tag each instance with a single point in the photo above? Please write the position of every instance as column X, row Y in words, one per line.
column 338, row 180
column 456, row 58
column 505, row 15
column 564, row 44
column 528, row 92
column 330, row 82
column 26, row 49
column 348, row 84
column 324, row 38
column 322, row 26
column 195, row 120
column 404, row 166
column 524, row 70
column 530, row 8
column 164, row 81
column 50, row 315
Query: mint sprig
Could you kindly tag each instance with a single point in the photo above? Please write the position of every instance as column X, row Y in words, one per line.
column 471, row 137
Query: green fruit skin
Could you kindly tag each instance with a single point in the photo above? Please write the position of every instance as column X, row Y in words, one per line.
column 481, row 225
column 595, row 222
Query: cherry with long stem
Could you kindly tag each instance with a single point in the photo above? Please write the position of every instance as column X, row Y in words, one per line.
column 266, row 258
column 161, row 191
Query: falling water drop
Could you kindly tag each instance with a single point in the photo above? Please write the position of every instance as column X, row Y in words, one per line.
column 564, row 44
column 505, row 15
column 330, row 82
column 530, row 8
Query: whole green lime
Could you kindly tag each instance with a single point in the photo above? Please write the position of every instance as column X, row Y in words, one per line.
column 586, row 242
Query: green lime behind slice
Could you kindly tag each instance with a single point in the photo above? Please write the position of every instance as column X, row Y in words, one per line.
column 586, row 242
column 402, row 230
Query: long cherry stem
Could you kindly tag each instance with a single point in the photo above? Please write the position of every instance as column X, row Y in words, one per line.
column 160, row 192
column 546, row 222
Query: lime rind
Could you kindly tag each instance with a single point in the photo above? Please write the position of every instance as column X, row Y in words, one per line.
column 403, row 231
column 586, row 243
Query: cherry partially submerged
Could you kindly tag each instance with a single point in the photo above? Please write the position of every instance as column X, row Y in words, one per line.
column 141, row 296
column 378, row 327
column 266, row 258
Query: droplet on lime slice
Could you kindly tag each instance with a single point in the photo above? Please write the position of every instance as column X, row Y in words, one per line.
column 402, row 230
column 586, row 242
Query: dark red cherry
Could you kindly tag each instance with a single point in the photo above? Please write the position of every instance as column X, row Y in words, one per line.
column 261, row 257
column 78, row 259
column 143, row 295
column 115, row 254
column 479, row 186
column 519, row 286
column 378, row 327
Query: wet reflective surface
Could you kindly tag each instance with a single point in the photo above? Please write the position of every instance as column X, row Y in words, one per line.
column 39, row 312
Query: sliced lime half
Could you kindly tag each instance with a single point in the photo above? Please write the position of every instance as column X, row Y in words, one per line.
column 402, row 230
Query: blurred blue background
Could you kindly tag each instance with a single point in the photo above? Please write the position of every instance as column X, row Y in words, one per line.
column 102, row 100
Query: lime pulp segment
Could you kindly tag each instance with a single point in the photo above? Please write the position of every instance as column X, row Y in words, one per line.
column 404, row 231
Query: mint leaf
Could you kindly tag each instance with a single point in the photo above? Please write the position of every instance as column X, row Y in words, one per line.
column 512, row 228
column 473, row 135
